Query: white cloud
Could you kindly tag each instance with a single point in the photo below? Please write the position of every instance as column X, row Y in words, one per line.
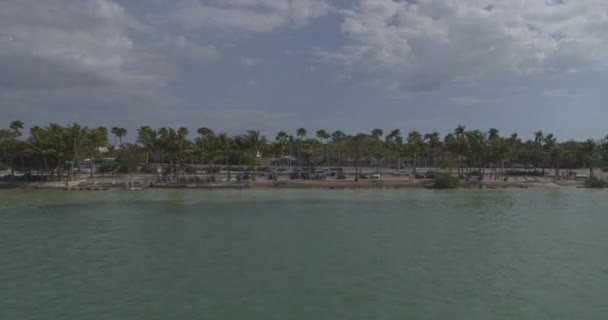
column 249, row 61
column 558, row 94
column 469, row 100
column 76, row 43
column 247, row 15
column 65, row 43
column 425, row 43
column 184, row 48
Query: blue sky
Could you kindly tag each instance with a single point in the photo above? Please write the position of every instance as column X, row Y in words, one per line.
column 234, row 65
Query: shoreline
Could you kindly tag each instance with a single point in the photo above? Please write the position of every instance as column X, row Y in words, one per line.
column 104, row 185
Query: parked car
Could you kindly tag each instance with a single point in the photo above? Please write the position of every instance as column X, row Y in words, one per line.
column 298, row 174
column 319, row 175
column 419, row 175
column 340, row 175
column 245, row 176
column 375, row 176
column 328, row 172
column 401, row 173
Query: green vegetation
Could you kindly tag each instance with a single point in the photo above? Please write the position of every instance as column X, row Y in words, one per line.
column 445, row 181
column 57, row 152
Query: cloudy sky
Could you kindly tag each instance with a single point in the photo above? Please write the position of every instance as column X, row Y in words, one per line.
column 354, row 65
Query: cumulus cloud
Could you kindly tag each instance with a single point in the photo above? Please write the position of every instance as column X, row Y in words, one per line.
column 469, row 100
column 425, row 43
column 65, row 43
column 249, row 61
column 247, row 15
column 76, row 43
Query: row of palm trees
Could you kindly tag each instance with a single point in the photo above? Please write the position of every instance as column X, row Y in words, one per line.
column 52, row 150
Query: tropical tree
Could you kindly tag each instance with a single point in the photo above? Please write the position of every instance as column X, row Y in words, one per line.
column 224, row 150
column 432, row 146
column 78, row 139
column 589, row 152
column 338, row 138
column 282, row 139
column 377, row 134
column 301, row 133
column 205, row 135
column 310, row 150
column 255, row 142
column 395, row 143
column 414, row 146
column 323, row 136
column 118, row 133
column 97, row 143
column 39, row 144
column 19, row 147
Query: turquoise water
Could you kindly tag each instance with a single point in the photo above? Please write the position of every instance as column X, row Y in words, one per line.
column 297, row 254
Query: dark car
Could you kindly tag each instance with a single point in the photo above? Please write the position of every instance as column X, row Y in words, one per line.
column 319, row 175
column 245, row 176
column 298, row 174
column 419, row 175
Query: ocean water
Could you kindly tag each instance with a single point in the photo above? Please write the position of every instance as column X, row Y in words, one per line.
column 304, row 254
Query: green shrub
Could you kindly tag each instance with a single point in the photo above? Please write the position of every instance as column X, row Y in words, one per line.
column 445, row 181
column 595, row 182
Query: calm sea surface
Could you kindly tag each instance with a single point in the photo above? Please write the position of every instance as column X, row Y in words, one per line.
column 296, row 254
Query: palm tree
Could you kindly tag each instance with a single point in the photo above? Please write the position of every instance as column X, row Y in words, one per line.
column 323, row 136
column 98, row 139
column 255, row 141
column 282, row 139
column 225, row 148
column 58, row 145
column 459, row 134
column 115, row 131
column 148, row 139
column 183, row 149
column 476, row 148
column 16, row 127
column 118, row 133
column 451, row 144
column 78, row 138
column 415, row 146
column 38, row 143
column 433, row 144
column 377, row 134
column 589, row 153
column 301, row 133
column 358, row 142
column 310, row 148
column 394, row 141
column 338, row 138
column 205, row 134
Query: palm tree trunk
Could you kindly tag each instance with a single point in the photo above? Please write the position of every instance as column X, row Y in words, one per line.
column 357, row 164
column 23, row 166
column 92, row 167
column 46, row 168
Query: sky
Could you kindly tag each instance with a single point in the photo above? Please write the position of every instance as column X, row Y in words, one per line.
column 353, row 65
